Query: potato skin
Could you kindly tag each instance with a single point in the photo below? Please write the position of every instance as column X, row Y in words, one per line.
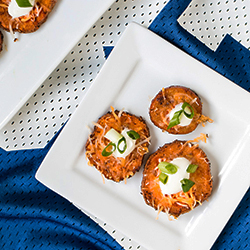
column 175, row 204
column 112, row 168
column 28, row 23
column 166, row 100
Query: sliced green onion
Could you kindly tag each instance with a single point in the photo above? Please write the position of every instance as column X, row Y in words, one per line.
column 133, row 135
column 163, row 178
column 186, row 184
column 109, row 149
column 188, row 111
column 167, row 167
column 113, row 135
column 192, row 168
column 122, row 145
column 175, row 119
column 23, row 3
column 186, row 106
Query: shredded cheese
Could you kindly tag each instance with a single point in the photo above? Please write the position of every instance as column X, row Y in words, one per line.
column 203, row 119
column 158, row 213
column 163, row 93
column 115, row 115
column 11, row 29
column 145, row 140
column 97, row 125
column 184, row 199
column 164, row 118
column 203, row 137
column 26, row 18
column 193, row 101
column 103, row 179
column 120, row 113
column 45, row 7
column 3, row 5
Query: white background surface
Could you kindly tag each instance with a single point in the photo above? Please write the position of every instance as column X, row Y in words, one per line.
column 209, row 21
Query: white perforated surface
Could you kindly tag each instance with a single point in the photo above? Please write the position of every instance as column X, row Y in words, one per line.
column 58, row 97
column 210, row 21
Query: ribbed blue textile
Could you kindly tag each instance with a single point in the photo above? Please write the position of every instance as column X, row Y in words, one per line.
column 34, row 217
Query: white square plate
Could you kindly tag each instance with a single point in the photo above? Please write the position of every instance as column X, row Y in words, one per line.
column 25, row 64
column 139, row 66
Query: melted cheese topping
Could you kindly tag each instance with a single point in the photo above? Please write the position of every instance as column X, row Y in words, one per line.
column 184, row 121
column 16, row 11
column 174, row 185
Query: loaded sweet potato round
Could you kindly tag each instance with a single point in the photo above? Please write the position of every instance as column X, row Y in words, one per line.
column 117, row 145
column 177, row 110
column 176, row 178
column 24, row 19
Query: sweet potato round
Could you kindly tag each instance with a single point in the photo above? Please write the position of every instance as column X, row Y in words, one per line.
column 179, row 203
column 28, row 23
column 117, row 169
column 166, row 100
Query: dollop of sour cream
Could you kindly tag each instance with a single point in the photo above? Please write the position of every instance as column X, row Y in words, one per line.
column 129, row 141
column 174, row 180
column 184, row 121
column 16, row 11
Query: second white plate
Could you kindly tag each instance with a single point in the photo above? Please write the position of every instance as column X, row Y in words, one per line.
column 141, row 64
column 25, row 64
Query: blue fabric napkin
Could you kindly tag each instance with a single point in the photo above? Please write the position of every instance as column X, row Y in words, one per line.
column 34, row 217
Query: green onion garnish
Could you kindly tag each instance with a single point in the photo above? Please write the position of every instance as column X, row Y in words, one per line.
column 188, row 112
column 175, row 119
column 109, row 149
column 186, row 184
column 23, row 3
column 163, row 178
column 133, row 135
column 192, row 168
column 185, row 107
column 122, row 145
column 167, row 167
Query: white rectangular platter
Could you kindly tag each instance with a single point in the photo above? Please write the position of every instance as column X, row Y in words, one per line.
column 25, row 64
column 139, row 66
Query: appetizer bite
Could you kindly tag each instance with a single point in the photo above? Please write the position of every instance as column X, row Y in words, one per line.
column 24, row 16
column 177, row 110
column 118, row 144
column 176, row 178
